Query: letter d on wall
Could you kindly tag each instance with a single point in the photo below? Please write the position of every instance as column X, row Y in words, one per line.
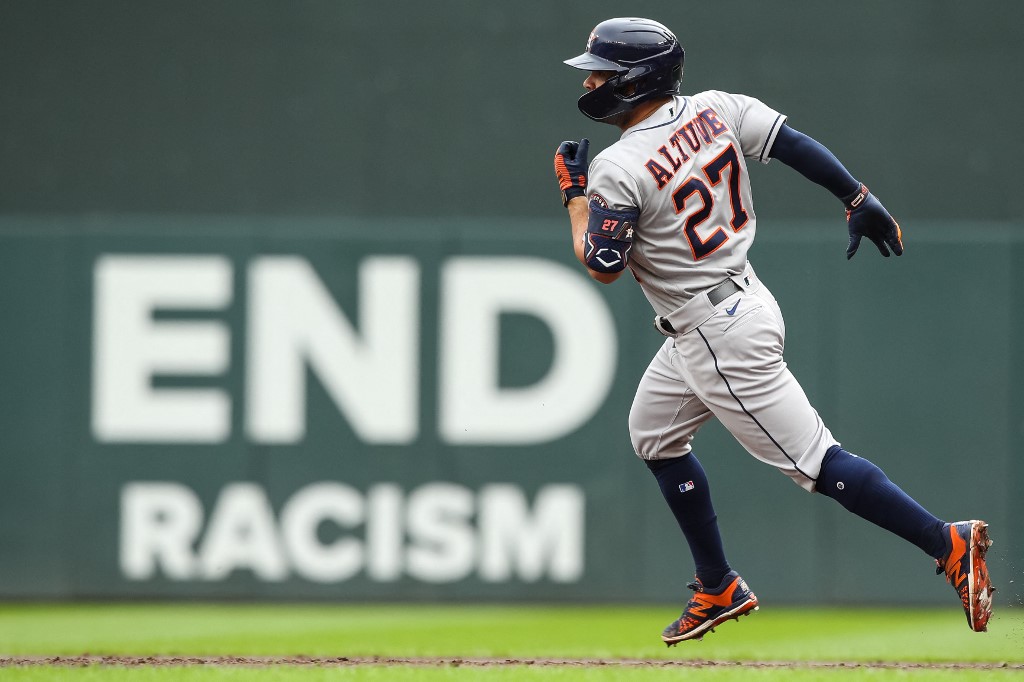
column 474, row 409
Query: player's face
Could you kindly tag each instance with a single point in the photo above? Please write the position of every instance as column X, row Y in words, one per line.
column 596, row 79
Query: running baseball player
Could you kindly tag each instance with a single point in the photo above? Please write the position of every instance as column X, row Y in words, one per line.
column 671, row 202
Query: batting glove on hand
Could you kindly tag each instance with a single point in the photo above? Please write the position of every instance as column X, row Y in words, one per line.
column 571, row 169
column 866, row 217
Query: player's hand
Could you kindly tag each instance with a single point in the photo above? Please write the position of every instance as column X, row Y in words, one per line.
column 571, row 169
column 866, row 217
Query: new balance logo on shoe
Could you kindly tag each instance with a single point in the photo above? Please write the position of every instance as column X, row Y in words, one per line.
column 967, row 572
column 709, row 608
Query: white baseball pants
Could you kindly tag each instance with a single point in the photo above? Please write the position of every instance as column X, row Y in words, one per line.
column 726, row 360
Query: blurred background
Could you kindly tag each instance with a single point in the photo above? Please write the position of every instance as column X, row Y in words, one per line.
column 290, row 311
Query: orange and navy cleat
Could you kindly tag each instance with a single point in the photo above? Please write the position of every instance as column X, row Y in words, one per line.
column 710, row 608
column 965, row 569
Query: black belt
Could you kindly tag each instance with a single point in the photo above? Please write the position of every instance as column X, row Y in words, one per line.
column 723, row 291
column 716, row 295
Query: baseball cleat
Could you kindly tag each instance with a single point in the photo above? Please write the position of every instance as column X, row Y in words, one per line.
column 966, row 571
column 710, row 608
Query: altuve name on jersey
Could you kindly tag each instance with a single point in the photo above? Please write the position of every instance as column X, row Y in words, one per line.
column 702, row 129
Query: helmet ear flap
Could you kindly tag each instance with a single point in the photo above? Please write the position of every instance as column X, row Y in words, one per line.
column 603, row 103
column 623, row 91
column 627, row 85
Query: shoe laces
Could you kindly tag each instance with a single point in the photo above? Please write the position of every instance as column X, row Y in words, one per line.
column 686, row 621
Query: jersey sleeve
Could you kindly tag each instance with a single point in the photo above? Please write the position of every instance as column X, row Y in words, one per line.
column 610, row 186
column 755, row 123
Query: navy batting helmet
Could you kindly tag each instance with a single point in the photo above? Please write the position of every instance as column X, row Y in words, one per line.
column 646, row 58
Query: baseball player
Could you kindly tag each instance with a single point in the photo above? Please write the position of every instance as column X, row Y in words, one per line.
column 671, row 202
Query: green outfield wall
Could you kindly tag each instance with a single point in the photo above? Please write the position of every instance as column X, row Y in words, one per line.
column 289, row 309
column 353, row 409
column 454, row 108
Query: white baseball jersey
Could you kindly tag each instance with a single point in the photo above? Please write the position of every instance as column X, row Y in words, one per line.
column 684, row 168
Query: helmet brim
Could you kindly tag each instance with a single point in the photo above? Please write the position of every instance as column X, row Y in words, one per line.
column 590, row 62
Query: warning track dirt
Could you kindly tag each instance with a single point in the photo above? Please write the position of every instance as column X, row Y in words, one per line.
column 345, row 661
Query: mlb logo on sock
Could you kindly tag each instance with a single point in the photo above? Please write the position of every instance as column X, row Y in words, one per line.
column 684, row 487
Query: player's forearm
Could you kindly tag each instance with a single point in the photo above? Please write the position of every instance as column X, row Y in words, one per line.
column 579, row 217
column 865, row 215
column 814, row 161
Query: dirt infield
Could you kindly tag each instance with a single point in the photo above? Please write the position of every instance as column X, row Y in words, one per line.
column 345, row 661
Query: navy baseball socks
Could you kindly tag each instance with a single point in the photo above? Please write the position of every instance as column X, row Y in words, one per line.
column 958, row 548
column 865, row 490
column 685, row 487
column 720, row 594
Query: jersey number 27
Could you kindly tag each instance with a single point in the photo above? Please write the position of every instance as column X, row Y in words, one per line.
column 702, row 248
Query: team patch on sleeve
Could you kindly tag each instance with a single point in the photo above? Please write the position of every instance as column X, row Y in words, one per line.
column 609, row 238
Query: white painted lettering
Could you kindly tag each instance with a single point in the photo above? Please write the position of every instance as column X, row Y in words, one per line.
column 442, row 549
column 130, row 347
column 372, row 375
column 474, row 409
column 329, row 532
column 159, row 523
column 242, row 535
column 300, row 522
column 546, row 543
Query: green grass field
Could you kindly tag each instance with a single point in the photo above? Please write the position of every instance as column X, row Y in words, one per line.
column 501, row 643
